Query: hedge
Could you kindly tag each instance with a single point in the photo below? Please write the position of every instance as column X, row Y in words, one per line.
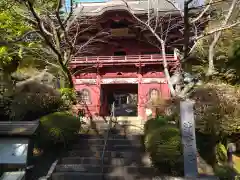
column 163, row 142
column 58, row 127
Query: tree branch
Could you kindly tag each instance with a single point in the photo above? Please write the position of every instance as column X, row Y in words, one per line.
column 62, row 25
column 202, row 13
column 216, row 38
column 217, row 30
column 67, row 73
column 165, row 64
column 21, row 38
column 39, row 22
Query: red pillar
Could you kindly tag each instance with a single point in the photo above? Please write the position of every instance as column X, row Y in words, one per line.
column 141, row 112
column 99, row 89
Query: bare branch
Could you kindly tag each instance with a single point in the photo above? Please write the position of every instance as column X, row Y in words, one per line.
column 163, row 51
column 45, row 30
column 41, row 29
column 216, row 38
column 62, row 25
column 222, row 28
column 176, row 5
column 202, row 13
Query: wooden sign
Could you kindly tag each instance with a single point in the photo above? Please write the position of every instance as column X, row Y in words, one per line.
column 119, row 32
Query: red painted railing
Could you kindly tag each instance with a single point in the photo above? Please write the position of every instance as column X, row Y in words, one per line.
column 123, row 59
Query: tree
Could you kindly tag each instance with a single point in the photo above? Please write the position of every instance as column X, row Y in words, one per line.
column 59, row 33
column 217, row 109
column 225, row 50
column 191, row 19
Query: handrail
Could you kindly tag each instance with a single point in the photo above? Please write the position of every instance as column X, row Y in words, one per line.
column 151, row 57
column 106, row 139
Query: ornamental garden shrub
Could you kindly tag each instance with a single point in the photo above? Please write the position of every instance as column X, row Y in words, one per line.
column 224, row 172
column 217, row 109
column 217, row 114
column 68, row 97
column 31, row 106
column 163, row 142
column 57, row 128
column 154, row 123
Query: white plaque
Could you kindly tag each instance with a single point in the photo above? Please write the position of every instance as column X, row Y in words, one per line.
column 13, row 151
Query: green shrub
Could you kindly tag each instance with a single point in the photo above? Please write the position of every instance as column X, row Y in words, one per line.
column 224, row 172
column 68, row 97
column 58, row 127
column 217, row 108
column 31, row 106
column 164, row 146
column 155, row 123
column 221, row 153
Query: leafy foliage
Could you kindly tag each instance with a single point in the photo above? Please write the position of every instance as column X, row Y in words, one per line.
column 163, row 142
column 68, row 97
column 30, row 106
column 221, row 153
column 217, row 108
column 224, row 172
column 58, row 127
column 12, row 26
column 226, row 57
column 152, row 124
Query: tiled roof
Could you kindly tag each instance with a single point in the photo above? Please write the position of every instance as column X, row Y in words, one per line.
column 21, row 128
column 137, row 7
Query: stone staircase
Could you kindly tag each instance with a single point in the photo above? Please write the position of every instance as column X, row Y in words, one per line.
column 124, row 159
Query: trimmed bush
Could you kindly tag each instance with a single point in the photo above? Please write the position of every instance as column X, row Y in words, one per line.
column 164, row 145
column 153, row 124
column 58, row 127
column 31, row 106
column 224, row 172
column 68, row 97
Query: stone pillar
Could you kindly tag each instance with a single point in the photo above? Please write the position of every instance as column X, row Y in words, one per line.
column 188, row 139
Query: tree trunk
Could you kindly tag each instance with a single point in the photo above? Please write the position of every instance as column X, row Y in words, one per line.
column 69, row 77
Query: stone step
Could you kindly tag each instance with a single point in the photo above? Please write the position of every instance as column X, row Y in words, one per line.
column 116, row 161
column 128, row 148
column 85, row 153
column 95, row 176
column 91, row 168
column 109, row 141
column 76, row 176
column 88, row 153
column 112, row 135
column 84, row 160
column 90, row 136
column 108, row 147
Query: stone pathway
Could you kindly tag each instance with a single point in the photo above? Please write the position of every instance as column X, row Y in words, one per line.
column 124, row 159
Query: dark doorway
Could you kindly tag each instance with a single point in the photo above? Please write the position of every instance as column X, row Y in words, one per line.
column 124, row 97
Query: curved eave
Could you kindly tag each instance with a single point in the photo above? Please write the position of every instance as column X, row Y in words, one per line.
column 137, row 8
